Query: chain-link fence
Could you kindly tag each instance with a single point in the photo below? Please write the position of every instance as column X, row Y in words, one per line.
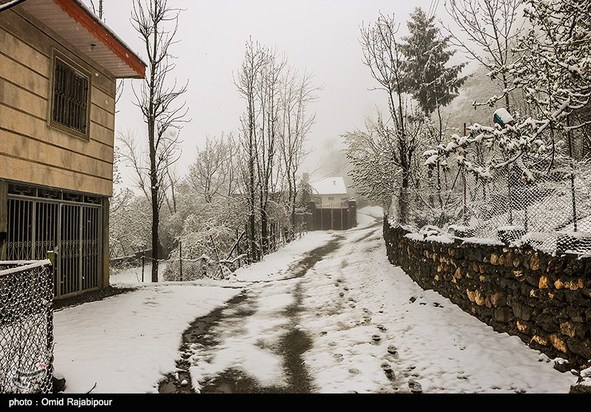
column 26, row 327
column 551, row 213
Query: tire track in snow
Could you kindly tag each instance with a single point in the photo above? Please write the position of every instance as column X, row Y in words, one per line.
column 201, row 337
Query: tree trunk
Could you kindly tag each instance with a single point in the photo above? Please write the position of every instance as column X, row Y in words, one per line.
column 155, row 239
column 154, row 189
column 403, row 198
column 292, row 200
column 251, row 201
column 155, row 102
column 264, row 232
column 154, row 199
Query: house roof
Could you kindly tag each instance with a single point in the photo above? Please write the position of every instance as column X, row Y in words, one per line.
column 329, row 186
column 96, row 40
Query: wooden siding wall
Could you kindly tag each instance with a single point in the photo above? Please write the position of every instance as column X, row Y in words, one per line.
column 31, row 151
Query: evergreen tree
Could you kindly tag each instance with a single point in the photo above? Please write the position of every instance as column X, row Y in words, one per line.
column 429, row 77
column 431, row 80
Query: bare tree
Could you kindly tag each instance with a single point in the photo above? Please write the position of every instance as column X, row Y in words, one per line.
column 211, row 174
column 157, row 23
column 487, row 31
column 266, row 146
column 372, row 170
column 383, row 55
column 296, row 122
column 97, row 8
column 274, row 128
column 246, row 82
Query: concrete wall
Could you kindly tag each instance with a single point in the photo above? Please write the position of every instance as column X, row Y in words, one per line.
column 543, row 299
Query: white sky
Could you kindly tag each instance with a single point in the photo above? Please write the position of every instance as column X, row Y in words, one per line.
column 319, row 36
column 124, row 344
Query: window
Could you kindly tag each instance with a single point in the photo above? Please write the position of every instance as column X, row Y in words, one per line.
column 70, row 98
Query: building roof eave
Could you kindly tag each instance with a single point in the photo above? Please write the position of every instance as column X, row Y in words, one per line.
column 96, row 40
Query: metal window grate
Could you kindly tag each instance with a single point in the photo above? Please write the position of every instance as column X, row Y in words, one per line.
column 70, row 97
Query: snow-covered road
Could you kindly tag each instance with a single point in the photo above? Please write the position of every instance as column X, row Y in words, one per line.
column 339, row 320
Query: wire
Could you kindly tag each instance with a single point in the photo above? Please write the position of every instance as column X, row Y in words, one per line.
column 340, row 169
column 433, row 8
column 11, row 4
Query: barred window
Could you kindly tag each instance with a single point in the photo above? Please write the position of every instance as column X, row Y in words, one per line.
column 70, row 97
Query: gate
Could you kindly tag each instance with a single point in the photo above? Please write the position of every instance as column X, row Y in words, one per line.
column 41, row 220
column 332, row 218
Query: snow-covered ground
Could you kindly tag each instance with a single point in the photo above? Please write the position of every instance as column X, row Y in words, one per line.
column 362, row 315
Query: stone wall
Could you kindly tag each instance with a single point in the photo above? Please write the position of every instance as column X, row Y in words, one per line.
column 543, row 299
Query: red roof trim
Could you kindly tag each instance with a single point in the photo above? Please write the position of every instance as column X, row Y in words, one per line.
column 103, row 34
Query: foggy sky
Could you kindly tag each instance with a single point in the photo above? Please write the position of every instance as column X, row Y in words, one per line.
column 320, row 37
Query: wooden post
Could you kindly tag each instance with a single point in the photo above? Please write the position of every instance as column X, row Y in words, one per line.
column 572, row 174
column 181, row 260
column 143, row 263
column 465, row 201
column 3, row 218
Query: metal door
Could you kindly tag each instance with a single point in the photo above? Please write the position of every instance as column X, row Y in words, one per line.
column 70, row 225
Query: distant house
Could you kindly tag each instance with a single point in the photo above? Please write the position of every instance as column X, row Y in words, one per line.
column 331, row 207
column 58, row 71
column 330, row 192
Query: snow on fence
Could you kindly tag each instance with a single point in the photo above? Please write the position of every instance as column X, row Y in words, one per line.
column 552, row 213
column 180, row 267
column 183, row 269
column 26, row 327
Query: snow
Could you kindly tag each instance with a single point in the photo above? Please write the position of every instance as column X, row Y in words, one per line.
column 432, row 160
column 586, row 377
column 126, row 343
column 482, row 241
column 575, row 235
column 462, row 228
column 133, row 275
column 440, row 239
column 276, row 265
column 502, row 117
column 509, row 228
column 427, row 236
column 22, row 266
column 329, row 186
column 415, row 236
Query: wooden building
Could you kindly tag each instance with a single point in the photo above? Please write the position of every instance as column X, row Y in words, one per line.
column 58, row 71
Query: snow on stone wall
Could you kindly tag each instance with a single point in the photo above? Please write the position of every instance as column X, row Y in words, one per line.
column 543, row 299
